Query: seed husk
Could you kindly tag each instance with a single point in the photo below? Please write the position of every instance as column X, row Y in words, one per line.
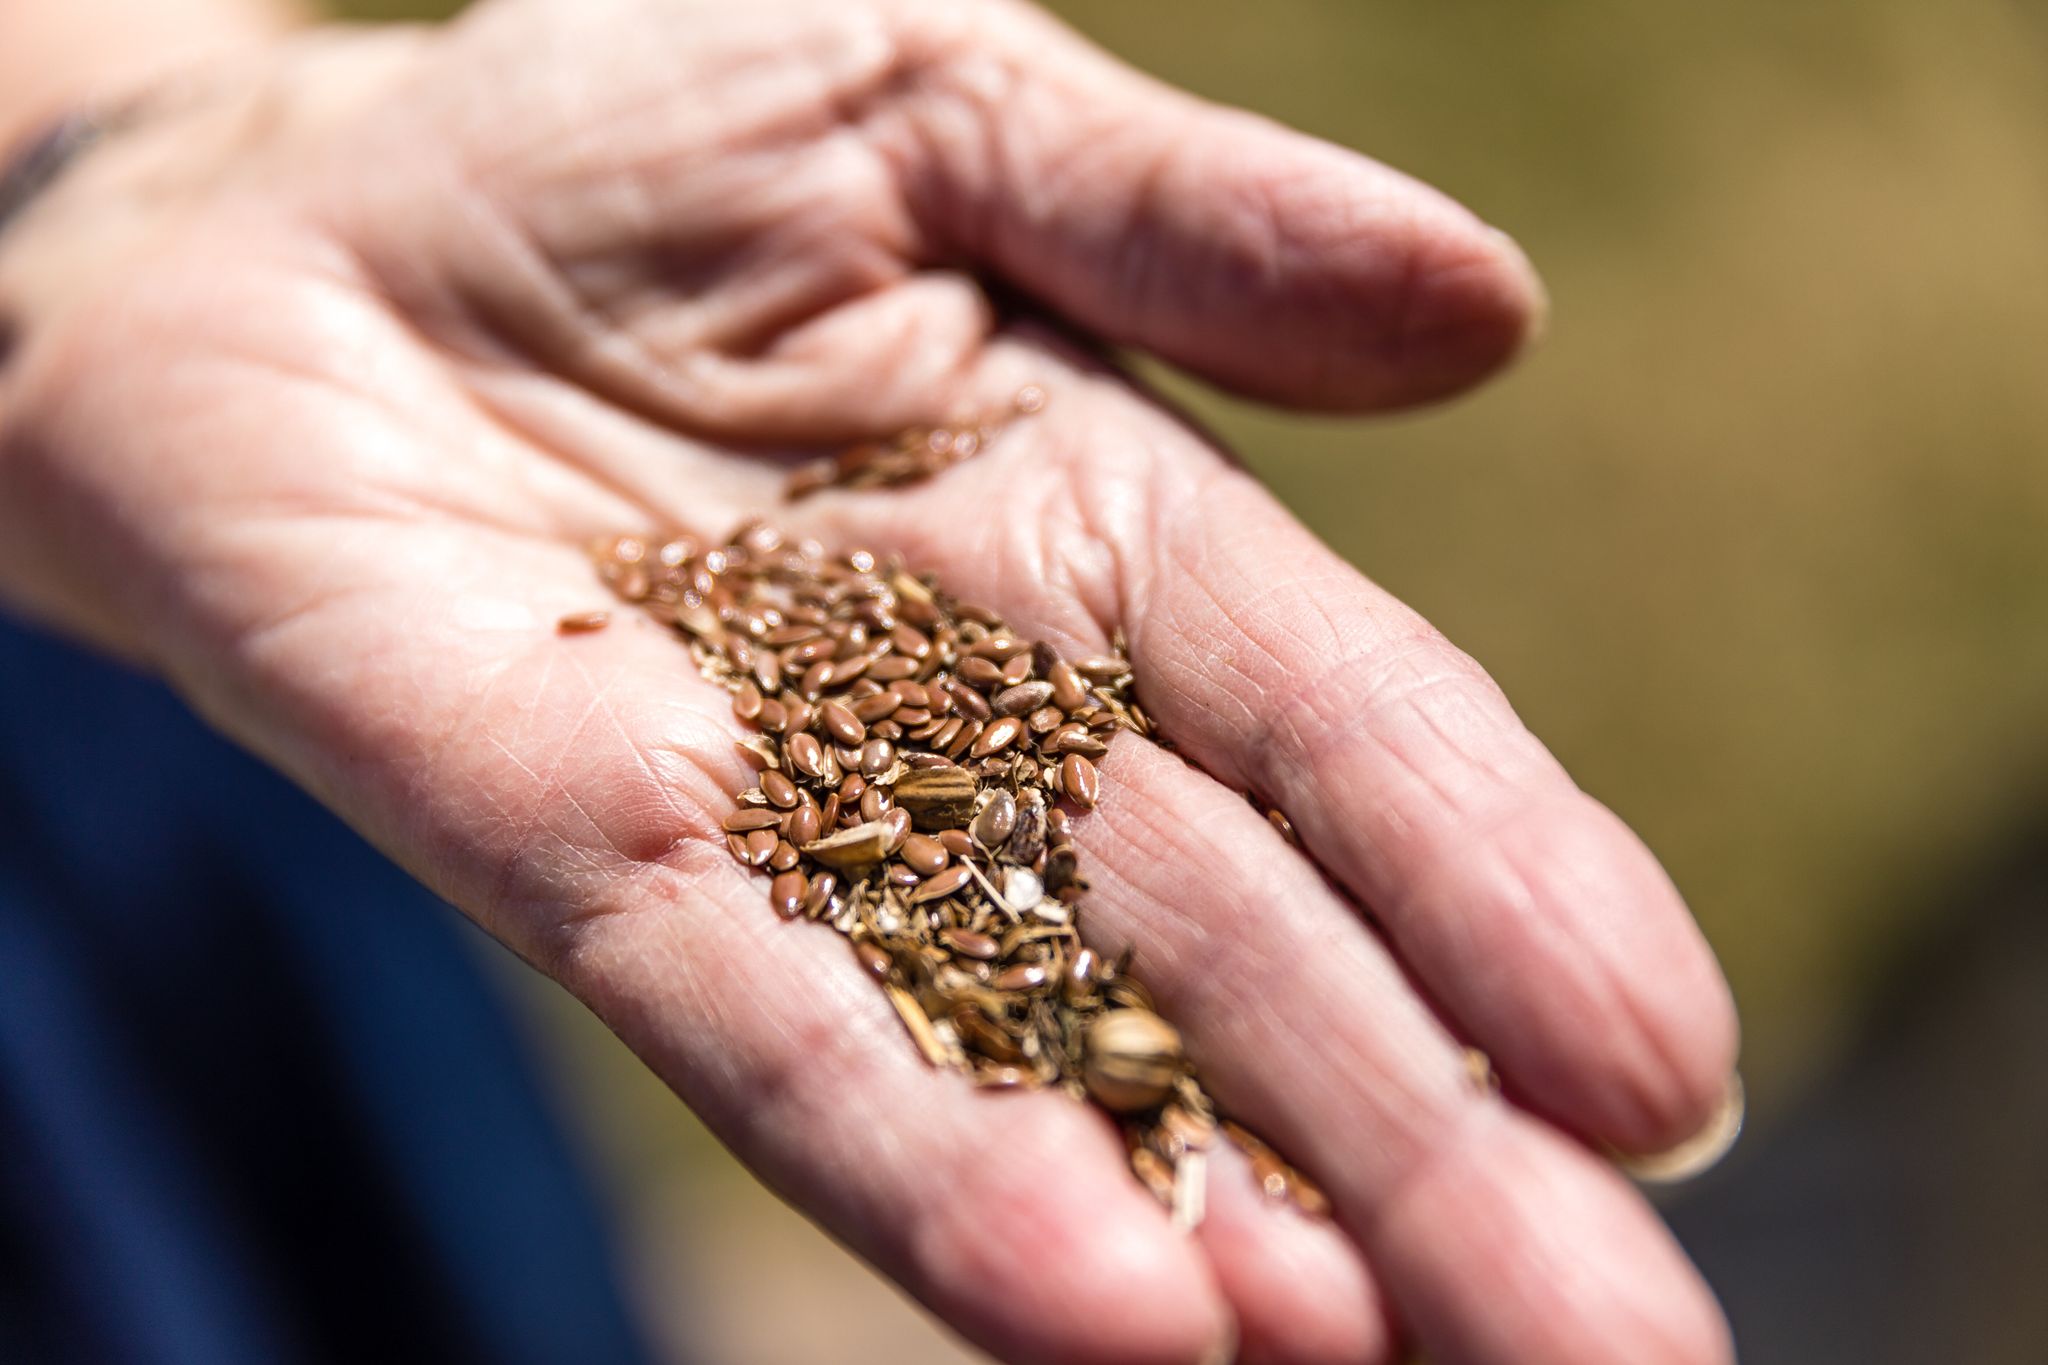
column 938, row 798
column 850, row 850
column 1133, row 1058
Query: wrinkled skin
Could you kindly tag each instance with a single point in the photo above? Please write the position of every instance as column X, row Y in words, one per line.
column 318, row 381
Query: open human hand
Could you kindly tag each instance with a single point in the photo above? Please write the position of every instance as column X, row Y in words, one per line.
column 317, row 382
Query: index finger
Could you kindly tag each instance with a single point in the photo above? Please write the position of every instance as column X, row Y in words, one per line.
column 1271, row 262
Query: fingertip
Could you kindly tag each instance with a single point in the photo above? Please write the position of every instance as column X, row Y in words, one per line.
column 1517, row 1245
column 1297, row 1286
column 1065, row 1259
column 1615, row 1020
column 1464, row 304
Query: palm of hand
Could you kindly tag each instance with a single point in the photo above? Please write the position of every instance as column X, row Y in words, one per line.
column 552, row 276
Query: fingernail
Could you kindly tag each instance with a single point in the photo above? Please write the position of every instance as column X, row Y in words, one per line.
column 1538, row 323
column 1699, row 1153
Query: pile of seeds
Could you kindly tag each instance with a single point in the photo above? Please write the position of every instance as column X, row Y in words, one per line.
column 918, row 766
column 909, row 456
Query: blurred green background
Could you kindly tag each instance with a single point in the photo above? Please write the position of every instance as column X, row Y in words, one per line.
column 1757, row 539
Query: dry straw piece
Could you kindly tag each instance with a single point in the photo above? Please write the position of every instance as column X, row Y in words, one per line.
column 917, row 765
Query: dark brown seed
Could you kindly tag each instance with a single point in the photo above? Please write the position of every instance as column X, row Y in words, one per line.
column 846, row 670
column 956, row 842
column 1079, row 741
column 942, row 886
column 737, row 845
column 967, row 943
column 1068, row 692
column 1015, row 701
column 805, row 754
column 1017, row 670
column 781, row 792
column 924, row 854
column 1044, row 720
column 1056, row 742
column 1025, row 976
column 876, row 756
column 808, row 652
column 892, row 667
column 806, row 823
column 881, row 706
column 1063, row 873
column 772, row 716
column 828, row 814
column 996, row 820
column 979, row 672
column 911, row 695
column 947, row 733
column 822, row 887
column 815, row 680
column 982, row 1034
column 928, row 761
column 999, row 735
column 852, row 787
column 897, row 823
column 874, row 803
column 874, row 959
column 751, row 818
column 783, row 858
column 901, row 877
column 1104, row 668
column 909, row 641
column 797, row 714
column 963, row 741
column 1081, row 972
column 1284, row 826
column 1078, row 781
column 583, row 622
column 1000, row 648
column 840, row 724
column 761, row 846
